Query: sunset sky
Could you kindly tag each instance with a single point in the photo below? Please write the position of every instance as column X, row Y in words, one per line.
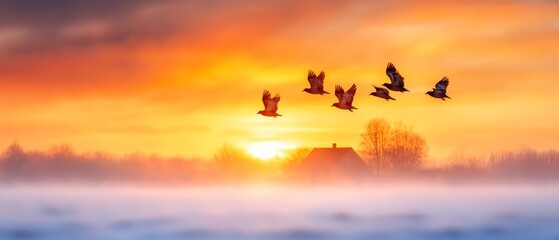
column 185, row 77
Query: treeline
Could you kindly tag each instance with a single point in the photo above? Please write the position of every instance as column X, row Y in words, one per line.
column 233, row 165
column 519, row 165
column 394, row 150
column 525, row 163
column 62, row 164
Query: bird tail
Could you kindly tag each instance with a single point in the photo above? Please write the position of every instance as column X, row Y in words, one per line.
column 324, row 92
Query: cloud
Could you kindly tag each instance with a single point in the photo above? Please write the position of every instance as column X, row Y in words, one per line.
column 63, row 41
column 58, row 25
column 199, row 66
column 85, row 47
column 10, row 37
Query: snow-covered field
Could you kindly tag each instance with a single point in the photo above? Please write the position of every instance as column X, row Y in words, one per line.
column 270, row 212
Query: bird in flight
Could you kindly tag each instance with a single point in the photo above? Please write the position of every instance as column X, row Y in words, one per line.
column 396, row 80
column 345, row 98
column 382, row 93
column 440, row 89
column 270, row 104
column 317, row 83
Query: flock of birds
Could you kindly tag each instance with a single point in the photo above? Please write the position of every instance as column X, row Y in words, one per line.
column 345, row 98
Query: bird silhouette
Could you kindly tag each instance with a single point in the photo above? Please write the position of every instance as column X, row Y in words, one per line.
column 345, row 98
column 270, row 104
column 382, row 93
column 317, row 83
column 440, row 89
column 396, row 80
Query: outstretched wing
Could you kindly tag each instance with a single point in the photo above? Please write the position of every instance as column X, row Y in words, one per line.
column 339, row 93
column 266, row 96
column 319, row 83
column 381, row 90
column 321, row 76
column 442, row 85
column 395, row 77
column 311, row 76
column 270, row 104
column 348, row 96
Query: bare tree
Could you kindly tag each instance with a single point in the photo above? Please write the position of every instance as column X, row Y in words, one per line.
column 459, row 159
column 231, row 158
column 374, row 144
column 235, row 164
column 406, row 148
column 391, row 146
column 14, row 158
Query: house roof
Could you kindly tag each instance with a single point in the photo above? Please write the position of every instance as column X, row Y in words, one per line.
column 333, row 160
column 328, row 154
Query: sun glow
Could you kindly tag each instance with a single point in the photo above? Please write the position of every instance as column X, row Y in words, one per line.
column 267, row 150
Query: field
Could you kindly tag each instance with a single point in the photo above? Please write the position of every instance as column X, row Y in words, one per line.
column 383, row 211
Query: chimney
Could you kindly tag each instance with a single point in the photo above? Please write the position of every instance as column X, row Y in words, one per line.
column 333, row 145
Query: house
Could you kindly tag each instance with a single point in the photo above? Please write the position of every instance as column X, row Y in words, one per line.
column 333, row 164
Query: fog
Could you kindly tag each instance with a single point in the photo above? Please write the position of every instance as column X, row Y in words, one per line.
column 232, row 165
column 373, row 211
column 60, row 194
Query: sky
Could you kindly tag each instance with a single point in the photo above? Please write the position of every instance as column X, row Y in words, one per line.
column 184, row 77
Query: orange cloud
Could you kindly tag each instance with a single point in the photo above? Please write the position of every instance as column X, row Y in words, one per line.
column 184, row 77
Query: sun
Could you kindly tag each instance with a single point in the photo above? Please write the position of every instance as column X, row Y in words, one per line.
column 267, row 150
